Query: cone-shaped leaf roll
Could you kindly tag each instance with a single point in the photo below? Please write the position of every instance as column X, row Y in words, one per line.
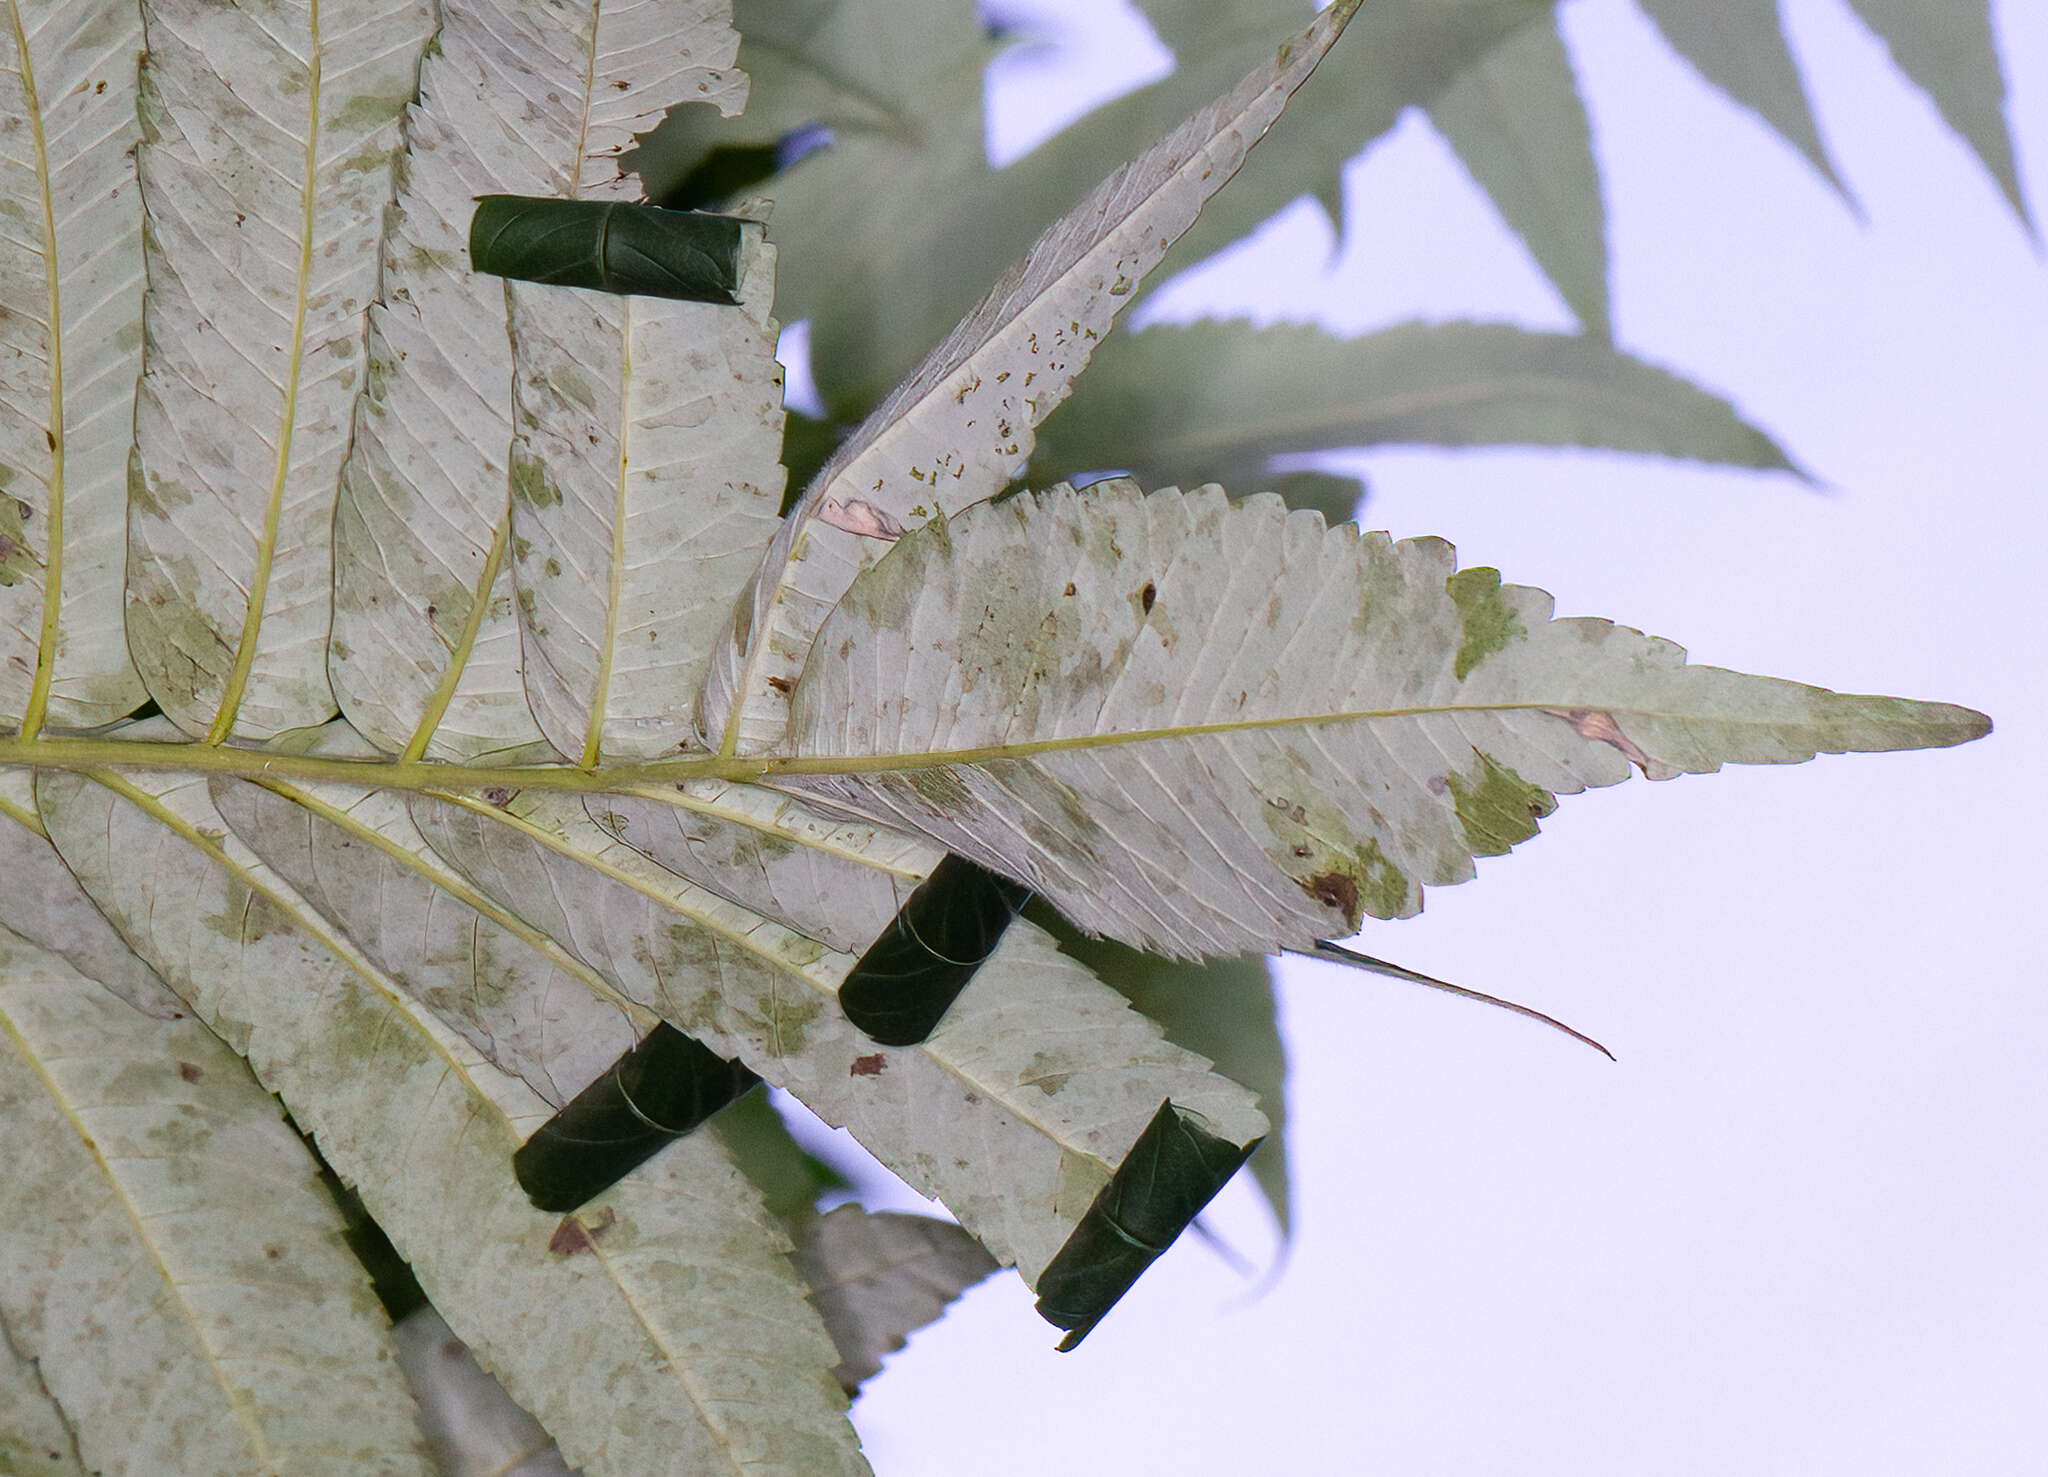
column 1173, row 1170
column 649, row 1098
column 909, row 977
column 641, row 250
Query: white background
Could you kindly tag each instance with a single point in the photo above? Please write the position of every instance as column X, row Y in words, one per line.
column 1800, row 1228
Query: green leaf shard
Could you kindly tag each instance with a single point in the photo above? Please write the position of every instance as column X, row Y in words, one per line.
column 638, row 250
column 1173, row 1170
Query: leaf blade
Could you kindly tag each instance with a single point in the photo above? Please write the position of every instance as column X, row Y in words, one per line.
column 426, row 651
column 878, row 1277
column 67, row 95
column 1167, row 402
column 1949, row 52
column 1244, row 730
column 1741, row 48
column 426, row 1139
column 952, row 433
column 253, row 1333
column 1516, row 120
column 267, row 156
column 1013, row 1113
column 644, row 486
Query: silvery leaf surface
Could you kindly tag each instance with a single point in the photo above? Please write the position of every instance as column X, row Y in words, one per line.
column 670, row 1295
column 474, row 1427
column 70, row 351
column 834, row 879
column 43, row 903
column 1014, row 1112
column 958, row 429
column 192, row 1308
column 269, row 141
column 537, row 99
column 1212, row 728
column 355, row 857
column 645, row 485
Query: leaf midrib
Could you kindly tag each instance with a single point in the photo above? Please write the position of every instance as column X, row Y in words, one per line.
column 266, row 549
column 100, row 753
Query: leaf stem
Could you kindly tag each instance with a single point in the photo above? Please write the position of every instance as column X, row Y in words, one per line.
column 386, row 774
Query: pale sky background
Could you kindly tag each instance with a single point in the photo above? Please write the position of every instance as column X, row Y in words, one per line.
column 1800, row 1228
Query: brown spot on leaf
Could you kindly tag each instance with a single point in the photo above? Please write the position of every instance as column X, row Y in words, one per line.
column 869, row 1066
column 1147, row 596
column 190, row 1071
column 1334, row 890
column 780, row 684
column 496, row 795
column 572, row 1237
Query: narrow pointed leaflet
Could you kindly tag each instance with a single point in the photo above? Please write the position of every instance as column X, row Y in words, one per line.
column 70, row 351
column 426, row 650
column 269, row 142
column 1211, row 728
column 960, row 427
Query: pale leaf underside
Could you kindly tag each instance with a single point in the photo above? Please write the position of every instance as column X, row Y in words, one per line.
column 193, row 1308
column 43, row 903
column 1208, row 728
column 669, row 1296
column 834, row 880
column 423, row 958
column 70, row 350
column 1014, row 1112
column 473, row 1426
column 959, row 428
column 34, row 1435
column 644, row 486
column 426, row 655
column 269, row 141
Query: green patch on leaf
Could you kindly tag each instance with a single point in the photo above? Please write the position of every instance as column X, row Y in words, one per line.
column 1485, row 623
column 1383, row 888
column 531, row 483
column 1497, row 807
column 17, row 560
